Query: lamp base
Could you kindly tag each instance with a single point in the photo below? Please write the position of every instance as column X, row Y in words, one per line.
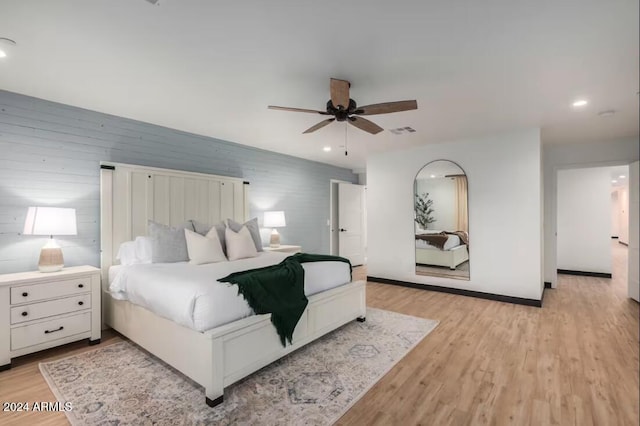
column 274, row 241
column 51, row 259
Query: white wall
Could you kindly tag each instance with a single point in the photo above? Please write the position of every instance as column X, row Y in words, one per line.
column 615, row 213
column 566, row 156
column 623, row 212
column 584, row 219
column 634, row 231
column 503, row 174
column 443, row 193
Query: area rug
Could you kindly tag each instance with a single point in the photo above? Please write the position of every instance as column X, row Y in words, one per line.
column 315, row 385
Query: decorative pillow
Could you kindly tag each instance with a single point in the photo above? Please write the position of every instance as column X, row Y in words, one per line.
column 204, row 249
column 168, row 244
column 240, row 245
column 144, row 249
column 127, row 253
column 252, row 226
column 203, row 229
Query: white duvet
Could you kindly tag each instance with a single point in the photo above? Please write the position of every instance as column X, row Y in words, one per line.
column 190, row 295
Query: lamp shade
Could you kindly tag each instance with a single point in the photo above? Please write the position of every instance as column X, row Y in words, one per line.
column 50, row 221
column 274, row 219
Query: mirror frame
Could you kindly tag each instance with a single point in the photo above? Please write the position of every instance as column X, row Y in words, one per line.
column 413, row 209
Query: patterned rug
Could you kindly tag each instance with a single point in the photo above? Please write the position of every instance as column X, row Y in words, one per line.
column 315, row 385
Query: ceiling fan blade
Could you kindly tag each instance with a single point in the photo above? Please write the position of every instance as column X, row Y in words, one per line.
column 339, row 93
column 320, row 125
column 387, row 107
column 366, row 125
column 313, row 111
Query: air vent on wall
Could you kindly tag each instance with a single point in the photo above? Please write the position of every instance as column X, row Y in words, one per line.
column 402, row 130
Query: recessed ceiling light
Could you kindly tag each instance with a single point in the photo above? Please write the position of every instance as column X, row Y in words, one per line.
column 6, row 45
column 580, row 103
column 433, row 176
column 622, row 176
column 614, row 181
column 326, row 149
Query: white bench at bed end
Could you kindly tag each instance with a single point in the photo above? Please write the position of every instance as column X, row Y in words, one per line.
column 220, row 357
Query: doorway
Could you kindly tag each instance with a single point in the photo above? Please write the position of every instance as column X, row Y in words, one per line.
column 593, row 221
column 347, row 223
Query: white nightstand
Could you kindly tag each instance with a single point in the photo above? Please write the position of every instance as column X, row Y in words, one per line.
column 42, row 310
column 284, row 248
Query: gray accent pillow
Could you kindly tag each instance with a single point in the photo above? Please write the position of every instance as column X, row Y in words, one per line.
column 168, row 244
column 252, row 226
column 203, row 229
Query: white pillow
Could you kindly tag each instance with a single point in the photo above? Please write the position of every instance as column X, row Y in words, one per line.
column 240, row 244
column 135, row 252
column 127, row 253
column 144, row 246
column 204, row 249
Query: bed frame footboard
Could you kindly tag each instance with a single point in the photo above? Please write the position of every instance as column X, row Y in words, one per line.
column 220, row 357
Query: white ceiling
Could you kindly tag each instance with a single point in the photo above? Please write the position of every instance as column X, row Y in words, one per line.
column 212, row 68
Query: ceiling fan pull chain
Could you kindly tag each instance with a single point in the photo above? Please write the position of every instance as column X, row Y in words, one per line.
column 345, row 139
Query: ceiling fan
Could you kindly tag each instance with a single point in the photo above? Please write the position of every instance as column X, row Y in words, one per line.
column 343, row 108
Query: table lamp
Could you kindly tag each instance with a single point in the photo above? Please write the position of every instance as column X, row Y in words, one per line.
column 50, row 221
column 274, row 220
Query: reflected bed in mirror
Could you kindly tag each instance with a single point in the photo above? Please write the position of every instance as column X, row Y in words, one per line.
column 441, row 220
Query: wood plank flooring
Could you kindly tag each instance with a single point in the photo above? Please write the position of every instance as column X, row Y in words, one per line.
column 572, row 362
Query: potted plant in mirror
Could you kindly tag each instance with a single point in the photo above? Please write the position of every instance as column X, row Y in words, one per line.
column 424, row 210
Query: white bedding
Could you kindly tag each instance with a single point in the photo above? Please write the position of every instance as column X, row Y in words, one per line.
column 452, row 241
column 190, row 295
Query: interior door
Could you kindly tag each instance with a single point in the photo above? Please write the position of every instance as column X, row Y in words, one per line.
column 634, row 230
column 351, row 222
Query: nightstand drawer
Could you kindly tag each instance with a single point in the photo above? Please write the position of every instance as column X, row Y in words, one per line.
column 52, row 289
column 42, row 332
column 50, row 308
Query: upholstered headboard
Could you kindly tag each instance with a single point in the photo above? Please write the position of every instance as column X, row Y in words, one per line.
column 130, row 195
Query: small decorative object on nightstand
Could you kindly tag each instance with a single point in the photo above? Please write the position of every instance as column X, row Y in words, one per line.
column 274, row 220
column 40, row 311
column 50, row 221
column 284, row 248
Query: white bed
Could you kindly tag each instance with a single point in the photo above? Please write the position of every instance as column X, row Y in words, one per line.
column 190, row 295
column 453, row 253
column 213, row 352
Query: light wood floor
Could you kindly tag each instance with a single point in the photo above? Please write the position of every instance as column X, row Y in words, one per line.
column 572, row 362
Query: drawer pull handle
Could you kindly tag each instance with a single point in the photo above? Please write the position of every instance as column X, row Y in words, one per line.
column 25, row 294
column 53, row 331
column 24, row 314
column 81, row 303
column 81, row 285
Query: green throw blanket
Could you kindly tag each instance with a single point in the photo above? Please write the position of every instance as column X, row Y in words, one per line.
column 279, row 290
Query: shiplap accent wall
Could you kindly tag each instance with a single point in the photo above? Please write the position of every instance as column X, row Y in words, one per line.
column 50, row 155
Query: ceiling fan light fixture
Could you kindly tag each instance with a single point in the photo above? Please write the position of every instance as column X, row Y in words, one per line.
column 580, row 103
column 345, row 109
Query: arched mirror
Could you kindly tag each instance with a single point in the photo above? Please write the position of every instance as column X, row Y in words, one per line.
column 441, row 220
